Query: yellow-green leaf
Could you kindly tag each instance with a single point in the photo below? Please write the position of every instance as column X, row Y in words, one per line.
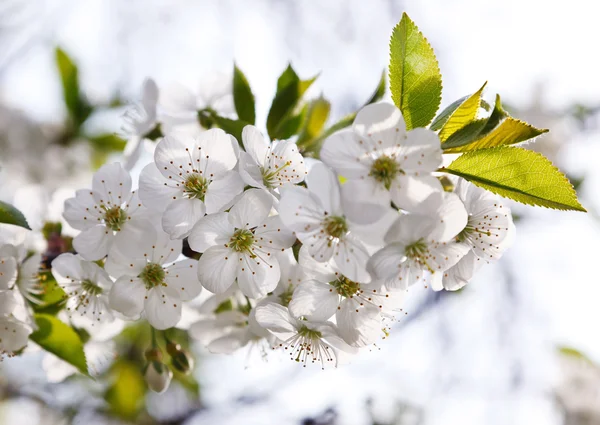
column 11, row 215
column 415, row 79
column 464, row 114
column 243, row 98
column 510, row 131
column 76, row 105
column 61, row 340
column 318, row 112
column 519, row 174
column 125, row 396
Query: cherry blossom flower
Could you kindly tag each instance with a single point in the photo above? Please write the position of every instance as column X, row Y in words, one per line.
column 85, row 284
column 108, row 214
column 383, row 162
column 318, row 220
column 269, row 165
column 420, row 246
column 153, row 282
column 241, row 245
column 305, row 341
column 191, row 178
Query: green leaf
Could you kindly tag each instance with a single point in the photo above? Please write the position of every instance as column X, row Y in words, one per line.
column 107, row 143
column 464, row 114
column 573, row 353
column 243, row 98
column 76, row 105
column 318, row 112
column 519, row 174
column 415, row 79
column 379, row 91
column 126, row 394
column 53, row 297
column 61, row 340
column 11, row 215
column 290, row 90
column 292, row 125
column 439, row 121
column 233, row 127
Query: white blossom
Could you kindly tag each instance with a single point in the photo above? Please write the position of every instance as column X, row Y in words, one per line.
column 269, row 165
column 153, row 282
column 318, row 220
column 85, row 284
column 191, row 178
column 241, row 245
column 108, row 214
column 383, row 162
column 305, row 341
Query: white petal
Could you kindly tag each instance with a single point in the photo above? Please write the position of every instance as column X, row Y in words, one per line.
column 255, row 144
column 229, row 343
column 350, row 257
column 183, row 277
column 451, row 218
column 164, row 249
column 380, row 125
column 276, row 319
column 320, row 271
column 13, row 335
column 256, row 276
column 250, row 171
column 8, row 302
column 409, row 192
column 134, row 237
column 390, row 265
column 162, row 307
column 93, row 244
column 314, row 300
column 8, row 272
column 215, row 153
column 149, row 95
column 252, row 209
column 155, row 191
column 410, row 228
column 67, row 266
column 365, row 201
column 213, row 229
column 323, row 183
column 82, row 212
column 358, row 325
column 222, row 191
column 111, row 185
column 181, row 215
column 421, row 152
column 273, row 236
column 445, row 255
column 461, row 273
column 217, row 268
column 127, row 296
column 285, row 164
column 172, row 157
column 341, row 150
column 300, row 211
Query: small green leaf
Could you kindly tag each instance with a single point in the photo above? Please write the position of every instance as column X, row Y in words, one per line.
column 77, row 107
column 126, row 394
column 519, row 174
column 233, row 127
column 318, row 112
column 59, row 339
column 243, row 98
column 573, row 353
column 52, row 300
column 290, row 90
column 11, row 215
column 415, row 79
column 379, row 90
column 439, row 121
column 108, row 143
column 292, row 124
column 464, row 114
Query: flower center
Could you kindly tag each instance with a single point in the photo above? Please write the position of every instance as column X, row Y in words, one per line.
column 345, row 287
column 195, row 186
column 115, row 217
column 153, row 275
column 269, row 175
column 242, row 240
column 335, row 226
column 308, row 333
column 473, row 227
column 384, row 170
column 91, row 288
column 416, row 250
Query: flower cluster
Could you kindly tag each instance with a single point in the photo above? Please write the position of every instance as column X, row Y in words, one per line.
column 313, row 257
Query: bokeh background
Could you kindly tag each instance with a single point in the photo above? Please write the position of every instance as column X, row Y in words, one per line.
column 518, row 346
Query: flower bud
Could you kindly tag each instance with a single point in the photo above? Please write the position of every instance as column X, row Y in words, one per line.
column 158, row 376
column 181, row 360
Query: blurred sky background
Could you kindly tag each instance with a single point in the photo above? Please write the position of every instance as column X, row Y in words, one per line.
column 484, row 356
